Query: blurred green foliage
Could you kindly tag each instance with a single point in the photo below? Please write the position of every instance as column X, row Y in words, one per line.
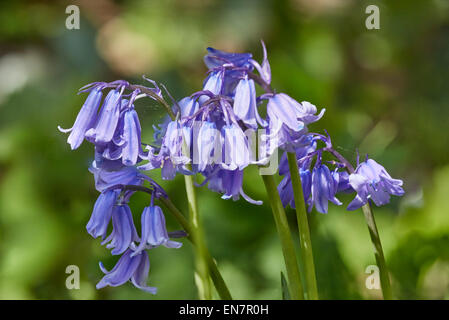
column 385, row 92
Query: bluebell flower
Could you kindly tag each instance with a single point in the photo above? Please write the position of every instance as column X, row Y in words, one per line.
column 209, row 145
column 123, row 232
column 324, row 188
column 220, row 149
column 245, row 106
column 236, row 148
column 107, row 177
column 170, row 157
column 126, row 139
column 371, row 181
column 108, row 118
column 126, row 144
column 213, row 135
column 86, row 118
column 232, row 67
column 342, row 177
column 214, row 82
column 131, row 138
column 285, row 188
column 154, row 231
column 173, row 141
column 283, row 110
column 217, row 58
column 278, row 133
column 109, row 174
column 160, row 129
column 189, row 106
column 226, row 182
column 102, row 213
column 288, row 120
column 128, row 268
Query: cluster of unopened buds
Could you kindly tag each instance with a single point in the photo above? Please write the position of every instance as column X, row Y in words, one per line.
column 216, row 132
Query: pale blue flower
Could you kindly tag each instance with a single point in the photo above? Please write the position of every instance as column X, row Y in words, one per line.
column 86, row 118
column 371, row 181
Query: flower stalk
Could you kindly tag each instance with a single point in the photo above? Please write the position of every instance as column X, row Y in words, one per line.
column 374, row 235
column 204, row 287
column 283, row 229
column 303, row 227
column 378, row 252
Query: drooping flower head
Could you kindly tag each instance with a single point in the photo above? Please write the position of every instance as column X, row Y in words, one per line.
column 112, row 179
column 108, row 118
column 115, row 129
column 324, row 188
column 124, row 232
column 154, row 231
column 217, row 58
column 228, row 183
column 371, row 181
column 102, row 213
column 86, row 117
column 133, row 268
column 288, row 119
column 245, row 104
column 169, row 156
column 217, row 121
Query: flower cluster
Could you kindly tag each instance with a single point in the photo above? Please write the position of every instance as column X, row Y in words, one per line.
column 320, row 184
column 219, row 125
column 113, row 127
column 226, row 117
column 216, row 132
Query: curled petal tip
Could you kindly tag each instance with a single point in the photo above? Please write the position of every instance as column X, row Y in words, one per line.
column 64, row 130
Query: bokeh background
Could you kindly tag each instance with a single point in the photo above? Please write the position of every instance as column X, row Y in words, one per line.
column 386, row 92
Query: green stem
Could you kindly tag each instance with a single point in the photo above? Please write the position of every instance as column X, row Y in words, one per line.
column 204, row 287
column 378, row 252
column 288, row 248
column 303, row 227
column 217, row 279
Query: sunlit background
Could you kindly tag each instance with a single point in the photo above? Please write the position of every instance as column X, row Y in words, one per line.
column 386, row 93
